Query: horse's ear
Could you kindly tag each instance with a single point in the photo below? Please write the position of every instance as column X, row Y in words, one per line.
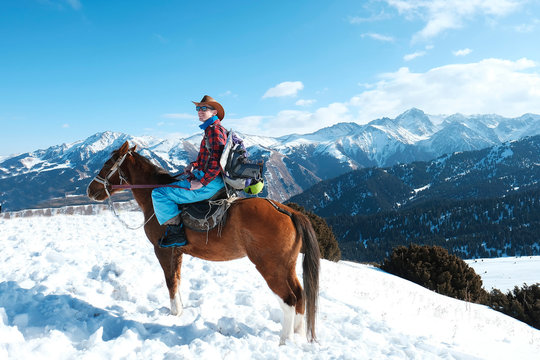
column 133, row 149
column 124, row 148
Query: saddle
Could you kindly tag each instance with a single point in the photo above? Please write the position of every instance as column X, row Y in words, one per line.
column 207, row 214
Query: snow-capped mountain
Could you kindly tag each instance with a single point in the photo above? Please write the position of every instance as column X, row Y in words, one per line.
column 480, row 203
column 492, row 172
column 293, row 162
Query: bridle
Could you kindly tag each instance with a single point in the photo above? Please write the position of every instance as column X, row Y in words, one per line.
column 105, row 182
column 116, row 167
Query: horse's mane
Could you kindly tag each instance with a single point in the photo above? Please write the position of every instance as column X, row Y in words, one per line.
column 161, row 175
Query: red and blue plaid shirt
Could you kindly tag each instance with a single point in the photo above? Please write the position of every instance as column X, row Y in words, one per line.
column 208, row 161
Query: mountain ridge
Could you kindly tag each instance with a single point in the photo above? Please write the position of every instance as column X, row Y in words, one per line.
column 293, row 162
column 490, row 172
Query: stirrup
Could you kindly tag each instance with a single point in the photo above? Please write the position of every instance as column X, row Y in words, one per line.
column 174, row 237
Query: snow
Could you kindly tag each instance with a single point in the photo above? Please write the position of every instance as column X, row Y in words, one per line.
column 505, row 273
column 416, row 191
column 29, row 162
column 101, row 141
column 84, row 287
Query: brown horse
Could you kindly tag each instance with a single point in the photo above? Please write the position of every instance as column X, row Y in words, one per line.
column 271, row 239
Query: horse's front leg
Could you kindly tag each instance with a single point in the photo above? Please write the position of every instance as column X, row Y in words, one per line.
column 171, row 263
column 176, row 304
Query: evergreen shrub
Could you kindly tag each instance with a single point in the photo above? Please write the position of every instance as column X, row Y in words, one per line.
column 521, row 303
column 434, row 268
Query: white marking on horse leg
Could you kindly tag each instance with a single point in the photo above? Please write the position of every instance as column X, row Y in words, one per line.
column 300, row 325
column 176, row 305
column 288, row 322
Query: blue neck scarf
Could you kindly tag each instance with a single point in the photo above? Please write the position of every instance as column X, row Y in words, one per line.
column 208, row 122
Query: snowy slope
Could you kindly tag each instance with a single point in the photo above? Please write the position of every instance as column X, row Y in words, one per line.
column 506, row 273
column 83, row 287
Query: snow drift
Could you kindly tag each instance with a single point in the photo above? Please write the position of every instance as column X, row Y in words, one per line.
column 74, row 286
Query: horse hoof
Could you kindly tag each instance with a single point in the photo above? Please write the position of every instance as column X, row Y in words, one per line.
column 285, row 341
column 176, row 307
column 176, row 312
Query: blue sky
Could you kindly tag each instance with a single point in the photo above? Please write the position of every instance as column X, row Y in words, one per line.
column 71, row 68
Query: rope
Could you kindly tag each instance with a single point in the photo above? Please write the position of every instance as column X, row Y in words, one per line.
column 111, row 205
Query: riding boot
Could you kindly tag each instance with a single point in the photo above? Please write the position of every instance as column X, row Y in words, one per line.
column 174, row 236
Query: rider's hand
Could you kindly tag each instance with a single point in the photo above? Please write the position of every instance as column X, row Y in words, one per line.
column 195, row 184
column 188, row 168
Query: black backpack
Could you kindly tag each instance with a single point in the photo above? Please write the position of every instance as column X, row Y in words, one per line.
column 238, row 172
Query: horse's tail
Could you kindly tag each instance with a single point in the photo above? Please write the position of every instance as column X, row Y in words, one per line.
column 310, row 266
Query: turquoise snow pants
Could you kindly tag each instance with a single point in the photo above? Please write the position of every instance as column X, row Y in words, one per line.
column 166, row 199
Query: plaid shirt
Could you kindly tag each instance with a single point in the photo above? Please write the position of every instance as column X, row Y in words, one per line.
column 208, row 161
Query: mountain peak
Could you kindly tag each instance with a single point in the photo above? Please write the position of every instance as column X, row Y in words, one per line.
column 415, row 121
column 339, row 129
column 101, row 140
column 412, row 112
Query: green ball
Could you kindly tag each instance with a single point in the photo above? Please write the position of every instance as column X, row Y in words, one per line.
column 254, row 189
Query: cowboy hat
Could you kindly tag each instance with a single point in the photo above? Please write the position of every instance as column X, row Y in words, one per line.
column 209, row 101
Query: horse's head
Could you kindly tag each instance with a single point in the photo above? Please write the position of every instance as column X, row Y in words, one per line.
column 110, row 174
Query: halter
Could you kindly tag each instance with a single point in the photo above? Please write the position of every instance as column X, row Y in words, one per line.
column 105, row 182
column 116, row 167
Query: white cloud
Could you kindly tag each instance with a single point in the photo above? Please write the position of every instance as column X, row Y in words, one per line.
column 65, row 126
column 228, row 93
column 61, row 4
column 289, row 121
column 359, row 20
column 296, row 121
column 75, row 4
column 287, row 88
column 305, row 102
column 247, row 125
column 414, row 55
column 442, row 15
column 179, row 116
column 527, row 28
column 371, row 18
column 481, row 87
column 524, row 28
column 505, row 87
column 174, row 136
column 379, row 37
column 462, row 52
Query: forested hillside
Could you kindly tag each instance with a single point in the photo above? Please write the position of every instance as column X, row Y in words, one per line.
column 482, row 203
column 468, row 228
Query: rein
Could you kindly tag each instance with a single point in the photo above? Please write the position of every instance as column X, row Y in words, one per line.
column 105, row 182
column 128, row 186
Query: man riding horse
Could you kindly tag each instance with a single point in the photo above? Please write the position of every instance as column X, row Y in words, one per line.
column 203, row 175
column 270, row 234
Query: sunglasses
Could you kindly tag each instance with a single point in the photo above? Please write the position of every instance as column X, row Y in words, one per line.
column 203, row 108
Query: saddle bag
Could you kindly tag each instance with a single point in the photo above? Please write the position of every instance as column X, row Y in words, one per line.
column 238, row 171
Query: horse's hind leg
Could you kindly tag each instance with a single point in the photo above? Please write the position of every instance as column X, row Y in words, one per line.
column 171, row 263
column 299, row 323
column 288, row 321
column 277, row 280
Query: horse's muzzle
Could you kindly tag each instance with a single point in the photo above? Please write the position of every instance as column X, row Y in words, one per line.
column 96, row 191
